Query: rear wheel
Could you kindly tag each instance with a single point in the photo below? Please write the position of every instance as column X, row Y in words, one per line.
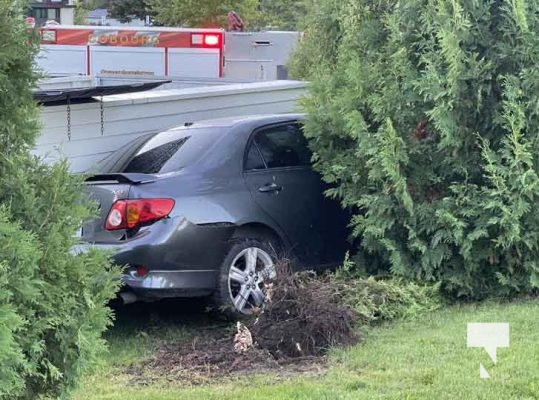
column 247, row 266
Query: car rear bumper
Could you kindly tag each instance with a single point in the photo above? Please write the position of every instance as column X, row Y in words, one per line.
column 160, row 284
column 181, row 259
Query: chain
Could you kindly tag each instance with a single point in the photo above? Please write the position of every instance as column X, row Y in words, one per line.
column 68, row 118
column 102, row 111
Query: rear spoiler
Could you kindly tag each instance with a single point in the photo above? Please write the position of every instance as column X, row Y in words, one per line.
column 129, row 178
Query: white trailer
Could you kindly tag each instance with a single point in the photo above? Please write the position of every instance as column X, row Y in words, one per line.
column 259, row 56
column 87, row 132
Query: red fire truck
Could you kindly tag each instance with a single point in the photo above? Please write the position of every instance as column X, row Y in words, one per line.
column 131, row 51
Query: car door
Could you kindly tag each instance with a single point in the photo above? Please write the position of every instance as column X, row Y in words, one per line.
column 278, row 173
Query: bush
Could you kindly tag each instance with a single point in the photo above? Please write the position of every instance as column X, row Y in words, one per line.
column 61, row 299
column 378, row 300
column 321, row 30
column 53, row 305
column 18, row 265
column 305, row 314
column 425, row 120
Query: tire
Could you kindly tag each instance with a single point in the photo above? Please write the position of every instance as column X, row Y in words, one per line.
column 240, row 288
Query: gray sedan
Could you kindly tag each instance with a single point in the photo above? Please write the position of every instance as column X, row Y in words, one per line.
column 206, row 209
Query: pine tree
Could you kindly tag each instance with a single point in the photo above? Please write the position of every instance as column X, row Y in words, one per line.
column 209, row 13
column 282, row 15
column 53, row 304
column 424, row 115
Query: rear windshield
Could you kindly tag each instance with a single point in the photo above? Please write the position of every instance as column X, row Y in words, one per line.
column 163, row 152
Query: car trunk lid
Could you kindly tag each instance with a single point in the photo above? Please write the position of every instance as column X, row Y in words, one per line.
column 105, row 190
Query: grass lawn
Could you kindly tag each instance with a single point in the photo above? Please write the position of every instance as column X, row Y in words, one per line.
column 426, row 358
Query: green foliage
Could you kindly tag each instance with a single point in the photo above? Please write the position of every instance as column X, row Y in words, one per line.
column 282, row 15
column 17, row 113
column 263, row 14
column 379, row 300
column 321, row 27
column 94, row 4
column 423, row 114
column 18, row 286
column 81, row 13
column 127, row 10
column 52, row 303
column 209, row 13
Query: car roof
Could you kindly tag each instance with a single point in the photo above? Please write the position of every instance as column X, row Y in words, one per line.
column 243, row 119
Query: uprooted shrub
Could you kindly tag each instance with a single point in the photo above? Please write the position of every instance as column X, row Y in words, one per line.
column 306, row 314
column 303, row 316
column 384, row 299
column 387, row 300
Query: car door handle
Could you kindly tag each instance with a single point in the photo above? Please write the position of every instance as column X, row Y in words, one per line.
column 270, row 188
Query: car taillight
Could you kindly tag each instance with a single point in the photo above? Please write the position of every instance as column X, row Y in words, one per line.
column 129, row 214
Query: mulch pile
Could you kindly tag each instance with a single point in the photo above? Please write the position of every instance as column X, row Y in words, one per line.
column 208, row 358
column 304, row 317
column 302, row 320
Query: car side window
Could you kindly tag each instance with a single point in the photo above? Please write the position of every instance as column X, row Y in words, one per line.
column 283, row 146
column 253, row 160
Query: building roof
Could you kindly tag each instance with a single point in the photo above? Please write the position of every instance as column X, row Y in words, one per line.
column 98, row 13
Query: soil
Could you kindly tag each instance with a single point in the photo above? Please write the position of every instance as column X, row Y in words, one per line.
column 305, row 316
column 211, row 356
column 302, row 319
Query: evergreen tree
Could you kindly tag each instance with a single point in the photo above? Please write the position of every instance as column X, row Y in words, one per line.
column 127, row 10
column 424, row 115
column 209, row 13
column 282, row 15
column 322, row 30
column 52, row 303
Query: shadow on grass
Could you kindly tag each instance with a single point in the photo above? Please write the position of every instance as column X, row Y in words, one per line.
column 169, row 311
column 140, row 328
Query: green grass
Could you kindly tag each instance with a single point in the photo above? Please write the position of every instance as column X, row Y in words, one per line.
column 426, row 358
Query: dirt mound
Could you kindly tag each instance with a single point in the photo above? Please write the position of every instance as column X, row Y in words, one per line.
column 303, row 317
column 300, row 322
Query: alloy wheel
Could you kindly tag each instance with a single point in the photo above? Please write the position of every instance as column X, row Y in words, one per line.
column 248, row 272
